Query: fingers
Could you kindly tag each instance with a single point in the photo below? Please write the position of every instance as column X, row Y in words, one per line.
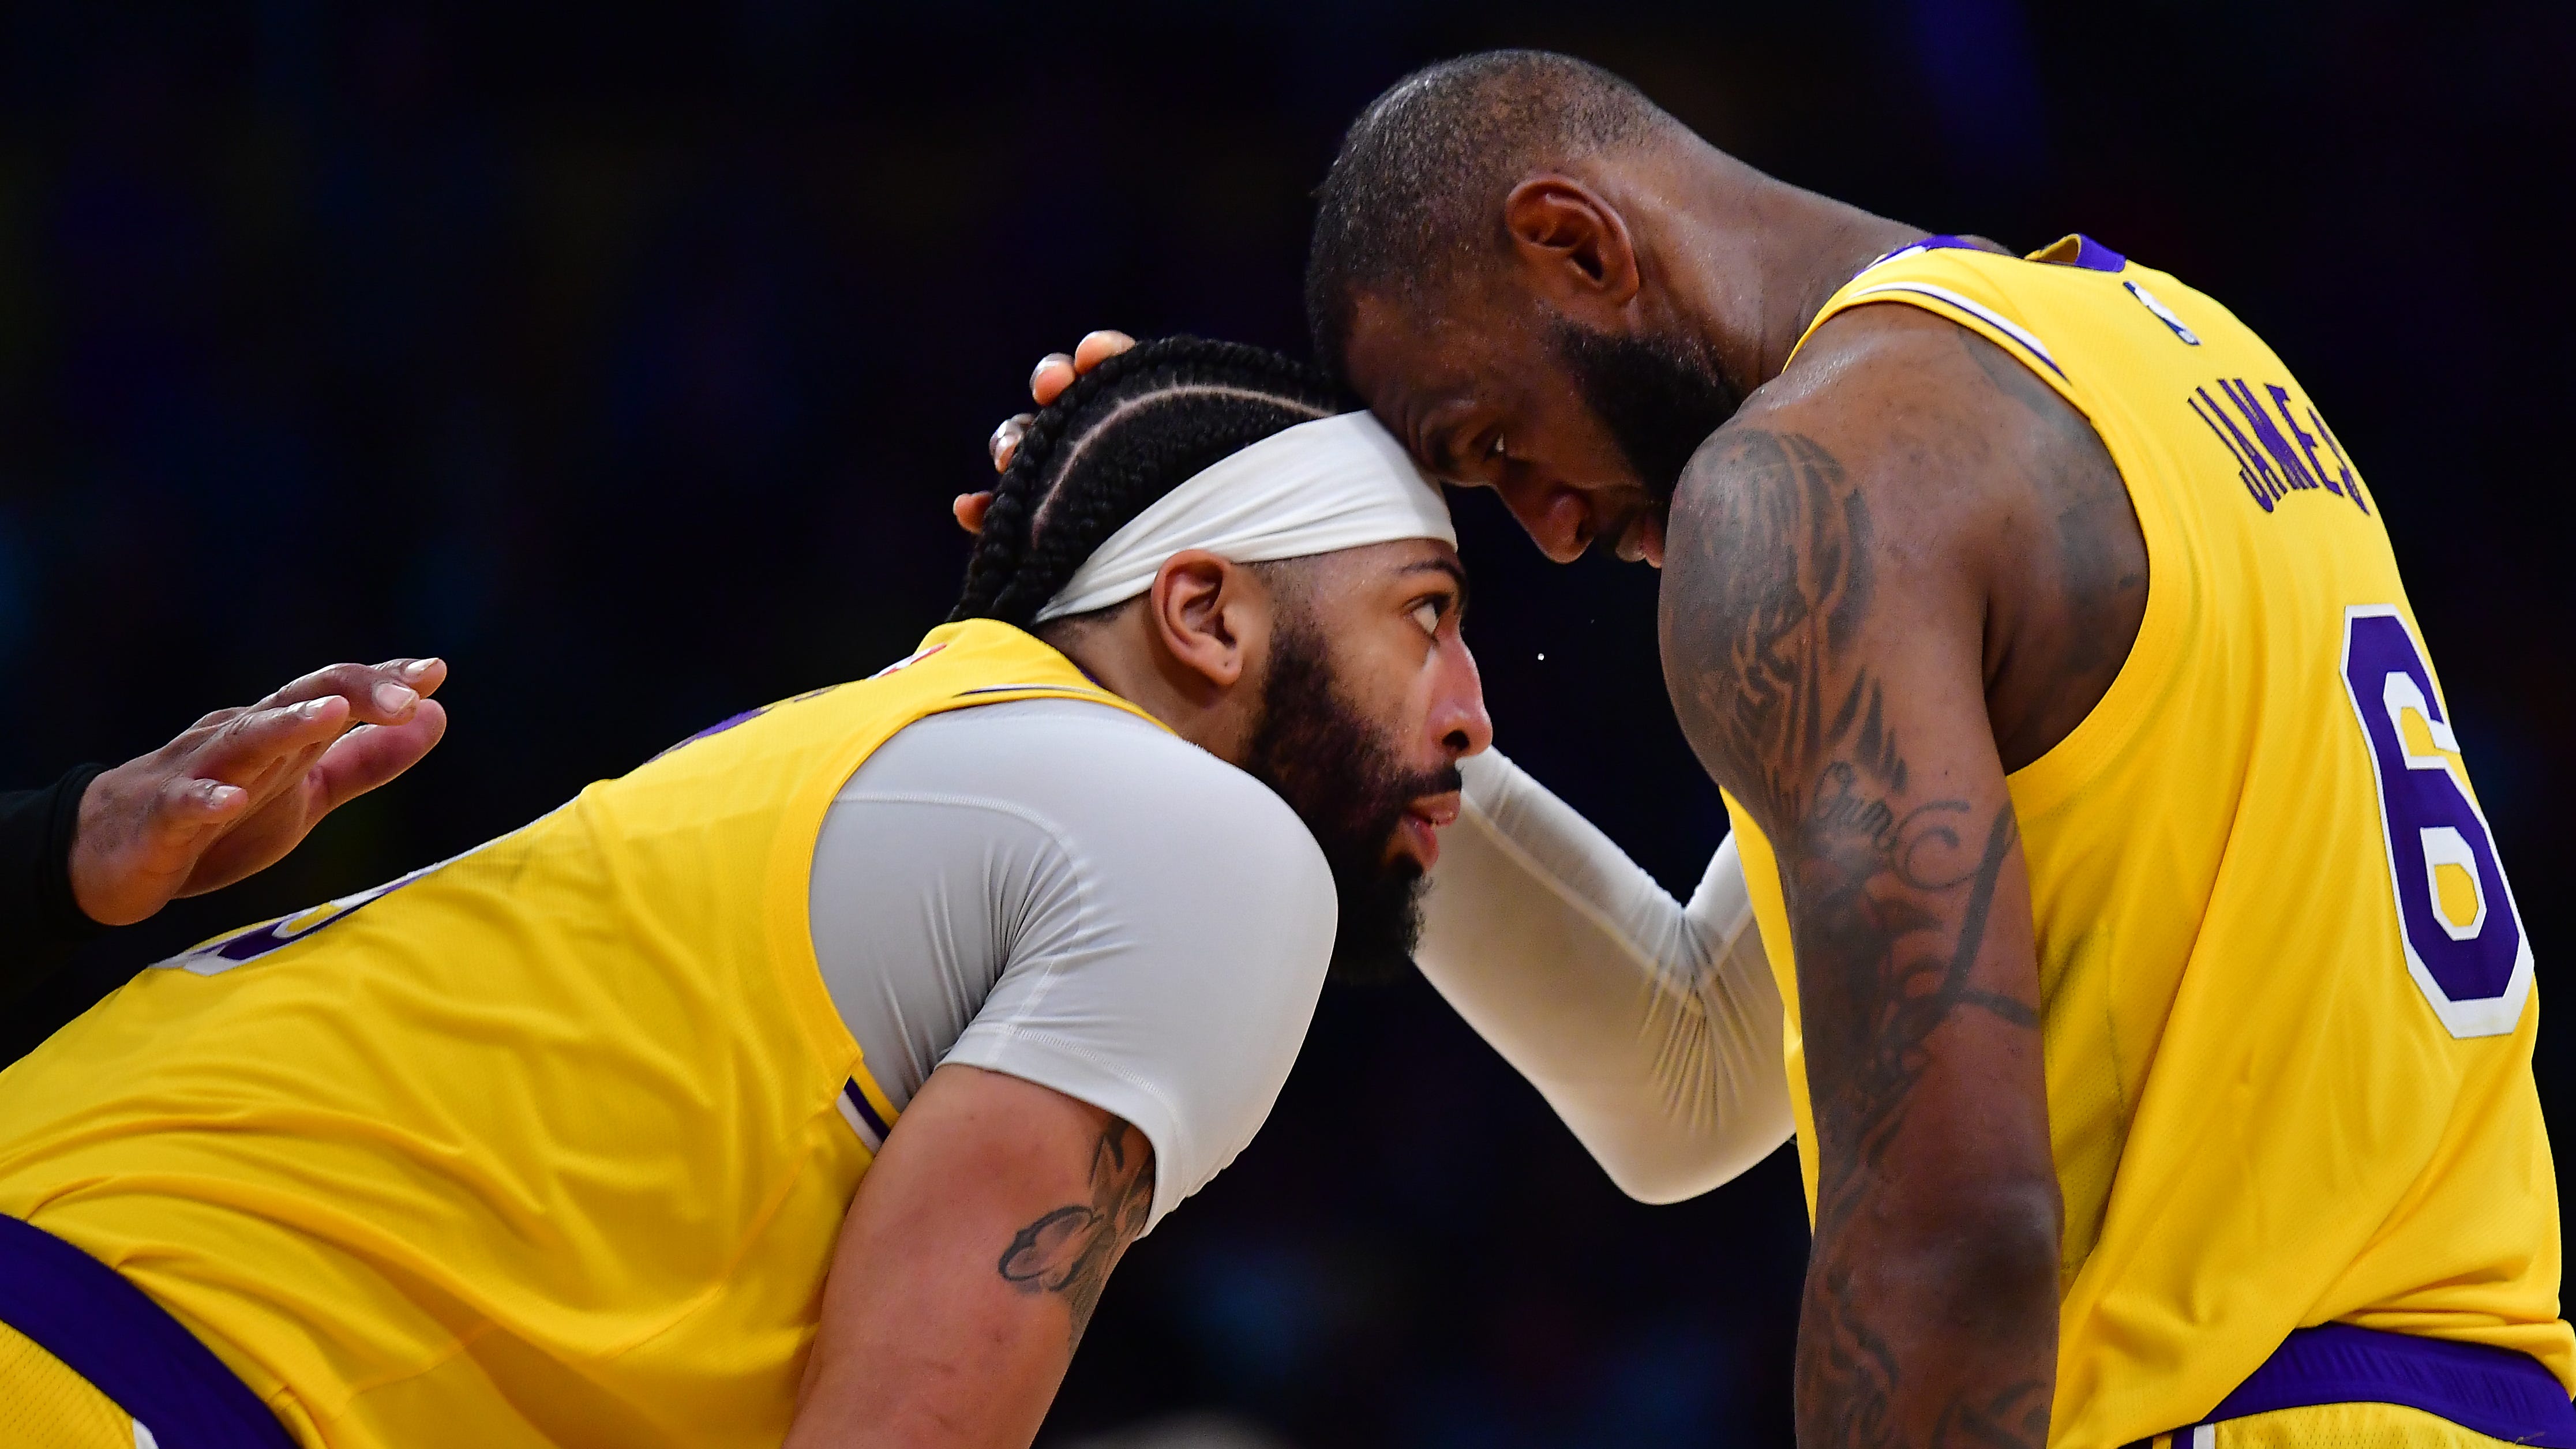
column 263, row 750
column 424, row 675
column 1048, row 380
column 1004, row 445
column 1055, row 372
column 358, row 761
column 243, row 786
column 145, row 824
column 369, row 756
column 376, row 694
column 970, row 508
column 1098, row 347
column 186, row 807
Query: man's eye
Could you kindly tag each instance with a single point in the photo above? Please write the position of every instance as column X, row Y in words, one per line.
column 1427, row 614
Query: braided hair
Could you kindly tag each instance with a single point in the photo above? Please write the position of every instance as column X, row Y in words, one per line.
column 1127, row 432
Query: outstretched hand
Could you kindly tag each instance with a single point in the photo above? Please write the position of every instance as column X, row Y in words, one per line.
column 242, row 787
column 1054, row 373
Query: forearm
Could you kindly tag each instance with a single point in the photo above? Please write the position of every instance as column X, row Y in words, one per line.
column 1931, row 1299
column 1939, row 1333
column 44, row 924
column 1654, row 1030
column 1930, row 1318
column 1930, row 1313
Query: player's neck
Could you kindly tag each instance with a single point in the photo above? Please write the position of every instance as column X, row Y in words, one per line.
column 1754, row 259
column 1120, row 656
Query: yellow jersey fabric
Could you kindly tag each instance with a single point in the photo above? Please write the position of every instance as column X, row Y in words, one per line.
column 2287, row 1001
column 546, row 1145
column 43, row 1402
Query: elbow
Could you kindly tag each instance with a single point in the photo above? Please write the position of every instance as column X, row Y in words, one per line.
column 1657, row 1153
column 1675, row 1166
column 1654, row 1184
column 2006, row 1248
column 1983, row 1262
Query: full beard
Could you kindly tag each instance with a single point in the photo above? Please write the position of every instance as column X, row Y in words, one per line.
column 1658, row 397
column 1346, row 783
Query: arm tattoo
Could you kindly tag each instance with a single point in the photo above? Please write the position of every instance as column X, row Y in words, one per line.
column 1069, row 1251
column 1888, row 895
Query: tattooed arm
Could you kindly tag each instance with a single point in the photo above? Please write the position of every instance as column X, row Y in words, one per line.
column 1829, row 595
column 969, row 1266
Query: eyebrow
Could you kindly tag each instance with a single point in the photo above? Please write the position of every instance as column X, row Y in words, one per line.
column 1433, row 445
column 1456, row 571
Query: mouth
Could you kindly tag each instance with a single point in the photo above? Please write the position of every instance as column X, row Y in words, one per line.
column 1642, row 539
column 1417, row 834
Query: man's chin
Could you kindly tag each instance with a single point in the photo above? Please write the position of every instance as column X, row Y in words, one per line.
column 1381, row 924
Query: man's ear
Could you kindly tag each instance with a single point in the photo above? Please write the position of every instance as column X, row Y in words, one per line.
column 1207, row 612
column 1574, row 242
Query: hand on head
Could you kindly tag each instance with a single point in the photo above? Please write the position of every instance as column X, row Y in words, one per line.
column 1054, row 373
column 242, row 787
column 1292, row 608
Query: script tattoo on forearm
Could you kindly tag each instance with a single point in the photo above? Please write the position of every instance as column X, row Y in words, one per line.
column 1888, row 894
column 1069, row 1250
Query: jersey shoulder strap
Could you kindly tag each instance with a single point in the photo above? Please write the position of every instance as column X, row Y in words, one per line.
column 983, row 661
column 1992, row 295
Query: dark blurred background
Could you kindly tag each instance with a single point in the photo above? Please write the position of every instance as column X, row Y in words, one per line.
column 629, row 358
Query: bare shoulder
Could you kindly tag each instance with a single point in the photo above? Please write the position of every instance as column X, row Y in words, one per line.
column 1916, row 461
column 1883, row 413
column 1905, row 396
column 1824, row 514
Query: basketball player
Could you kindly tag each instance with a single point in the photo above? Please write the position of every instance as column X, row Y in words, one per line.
column 807, row 1082
column 2159, row 1018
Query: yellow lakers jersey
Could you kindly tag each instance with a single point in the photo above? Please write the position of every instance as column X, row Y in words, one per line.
column 2287, row 1000
column 546, row 1145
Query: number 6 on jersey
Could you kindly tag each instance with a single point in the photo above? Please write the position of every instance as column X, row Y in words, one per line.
column 2455, row 913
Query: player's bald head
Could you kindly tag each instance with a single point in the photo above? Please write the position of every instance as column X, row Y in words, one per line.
column 1414, row 199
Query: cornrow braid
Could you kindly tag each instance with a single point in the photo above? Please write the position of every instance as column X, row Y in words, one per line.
column 1127, row 432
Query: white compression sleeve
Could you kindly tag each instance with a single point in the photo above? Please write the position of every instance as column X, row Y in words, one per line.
column 1653, row 1028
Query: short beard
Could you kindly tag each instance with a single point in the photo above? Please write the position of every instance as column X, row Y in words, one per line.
column 1345, row 781
column 1659, row 397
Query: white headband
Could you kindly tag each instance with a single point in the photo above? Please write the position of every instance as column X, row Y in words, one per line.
column 1318, row 487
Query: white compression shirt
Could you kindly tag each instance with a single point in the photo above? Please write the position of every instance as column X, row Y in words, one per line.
column 1653, row 1028
column 1069, row 894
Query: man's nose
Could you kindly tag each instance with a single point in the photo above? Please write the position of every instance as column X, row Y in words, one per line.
column 1458, row 718
column 1556, row 517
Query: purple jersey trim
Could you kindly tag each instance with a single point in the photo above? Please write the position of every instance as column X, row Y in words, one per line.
column 1072, row 689
column 720, row 726
column 2493, row 1391
column 1944, row 242
column 2092, row 256
column 129, row 1348
column 867, row 1113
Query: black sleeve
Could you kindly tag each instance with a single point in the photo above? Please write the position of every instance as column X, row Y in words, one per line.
column 40, row 924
